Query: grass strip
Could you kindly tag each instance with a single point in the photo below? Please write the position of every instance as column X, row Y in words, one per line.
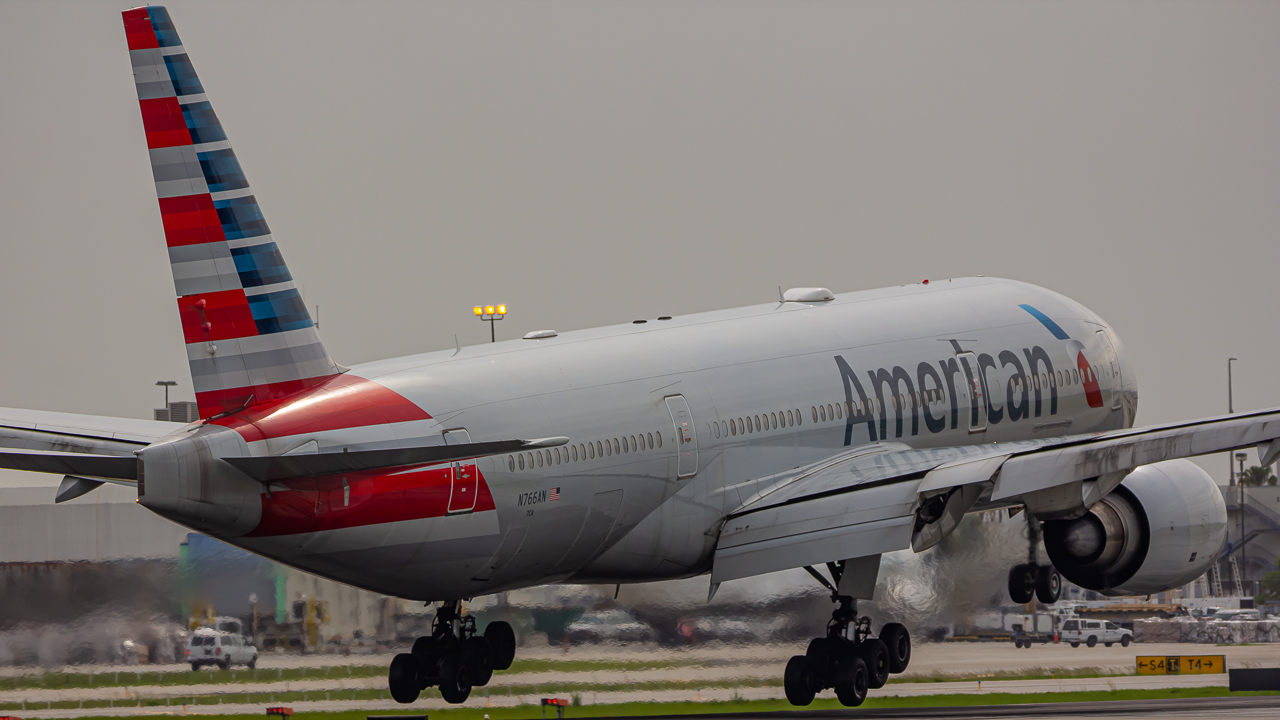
column 139, row 678
column 534, row 712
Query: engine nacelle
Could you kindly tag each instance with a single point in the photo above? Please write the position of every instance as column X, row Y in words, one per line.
column 1161, row 528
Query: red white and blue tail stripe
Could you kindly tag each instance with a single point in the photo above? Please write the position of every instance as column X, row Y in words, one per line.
column 249, row 336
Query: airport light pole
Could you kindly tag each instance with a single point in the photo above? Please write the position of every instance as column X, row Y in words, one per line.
column 490, row 314
column 1231, row 409
column 166, row 384
column 1244, row 554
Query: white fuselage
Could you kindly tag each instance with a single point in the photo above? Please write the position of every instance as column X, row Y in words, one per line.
column 767, row 388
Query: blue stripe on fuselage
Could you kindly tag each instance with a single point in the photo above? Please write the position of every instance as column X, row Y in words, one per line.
column 1044, row 320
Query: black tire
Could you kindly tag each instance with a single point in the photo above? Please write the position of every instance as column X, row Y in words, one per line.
column 224, row 665
column 503, row 641
column 875, row 655
column 402, row 678
column 1075, row 644
column 455, row 680
column 1022, row 583
column 426, row 652
column 1092, row 641
column 195, row 667
column 796, row 681
column 253, row 663
column 898, row 642
column 821, row 657
column 1048, row 584
column 851, row 681
column 1107, row 644
column 477, row 655
column 1124, row 641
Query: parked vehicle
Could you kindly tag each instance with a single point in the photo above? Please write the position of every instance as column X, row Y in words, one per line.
column 213, row 647
column 1092, row 632
column 1230, row 614
column 608, row 626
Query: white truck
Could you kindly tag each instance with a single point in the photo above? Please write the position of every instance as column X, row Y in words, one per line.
column 223, row 649
column 1092, row 632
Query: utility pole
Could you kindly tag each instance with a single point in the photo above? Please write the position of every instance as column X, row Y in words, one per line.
column 1244, row 554
column 166, row 384
column 1231, row 409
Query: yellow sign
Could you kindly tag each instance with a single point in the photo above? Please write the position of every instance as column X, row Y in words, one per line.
column 1181, row 664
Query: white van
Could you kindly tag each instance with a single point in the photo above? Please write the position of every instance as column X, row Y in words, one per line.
column 224, row 649
column 1092, row 632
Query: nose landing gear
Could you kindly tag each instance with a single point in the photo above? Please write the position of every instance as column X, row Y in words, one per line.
column 848, row 660
column 1031, row 579
column 454, row 656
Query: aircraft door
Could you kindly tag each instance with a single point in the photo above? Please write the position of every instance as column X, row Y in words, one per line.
column 686, row 436
column 1112, row 369
column 975, row 390
column 463, row 475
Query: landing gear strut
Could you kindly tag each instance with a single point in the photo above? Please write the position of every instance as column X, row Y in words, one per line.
column 1031, row 579
column 454, row 656
column 849, row 659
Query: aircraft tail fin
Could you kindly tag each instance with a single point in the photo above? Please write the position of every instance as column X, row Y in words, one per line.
column 249, row 336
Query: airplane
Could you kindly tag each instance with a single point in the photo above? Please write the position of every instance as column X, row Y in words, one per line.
column 820, row 430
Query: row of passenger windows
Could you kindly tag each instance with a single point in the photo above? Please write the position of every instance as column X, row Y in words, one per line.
column 758, row 423
column 749, row 424
column 584, row 451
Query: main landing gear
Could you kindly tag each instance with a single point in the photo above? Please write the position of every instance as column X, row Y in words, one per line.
column 848, row 659
column 453, row 656
column 1031, row 579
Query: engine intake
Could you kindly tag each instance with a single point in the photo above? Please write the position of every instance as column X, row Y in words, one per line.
column 1161, row 528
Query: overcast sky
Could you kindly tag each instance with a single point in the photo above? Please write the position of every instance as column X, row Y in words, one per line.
column 589, row 163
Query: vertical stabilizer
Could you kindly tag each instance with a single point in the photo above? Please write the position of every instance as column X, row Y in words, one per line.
column 249, row 336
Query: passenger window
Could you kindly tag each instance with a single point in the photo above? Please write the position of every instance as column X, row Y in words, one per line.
column 791, row 419
column 539, row 456
column 757, row 418
column 615, row 446
column 633, row 443
column 814, row 410
column 521, row 457
column 659, row 439
column 839, row 411
column 717, row 428
column 600, row 448
column 511, row 463
column 799, row 417
column 557, row 455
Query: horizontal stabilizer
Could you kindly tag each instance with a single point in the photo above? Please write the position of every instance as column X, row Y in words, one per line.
column 285, row 467
column 82, row 464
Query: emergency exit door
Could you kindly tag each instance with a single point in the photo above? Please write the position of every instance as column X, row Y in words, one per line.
column 686, row 436
column 464, row 479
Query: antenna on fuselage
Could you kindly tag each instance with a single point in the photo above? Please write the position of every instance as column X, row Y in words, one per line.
column 457, row 346
column 781, row 298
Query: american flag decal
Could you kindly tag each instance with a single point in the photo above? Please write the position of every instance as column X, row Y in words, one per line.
column 554, row 495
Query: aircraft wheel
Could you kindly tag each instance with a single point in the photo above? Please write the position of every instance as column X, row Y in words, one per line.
column 426, row 653
column 455, row 680
column 851, row 681
column 898, row 642
column 503, row 641
column 402, row 678
column 477, row 655
column 875, row 654
column 820, row 659
column 1022, row 583
column 796, row 681
column 1048, row 584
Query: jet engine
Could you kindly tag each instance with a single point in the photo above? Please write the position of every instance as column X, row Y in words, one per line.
column 1161, row 528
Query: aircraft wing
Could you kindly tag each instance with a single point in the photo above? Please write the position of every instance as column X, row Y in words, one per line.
column 888, row 496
